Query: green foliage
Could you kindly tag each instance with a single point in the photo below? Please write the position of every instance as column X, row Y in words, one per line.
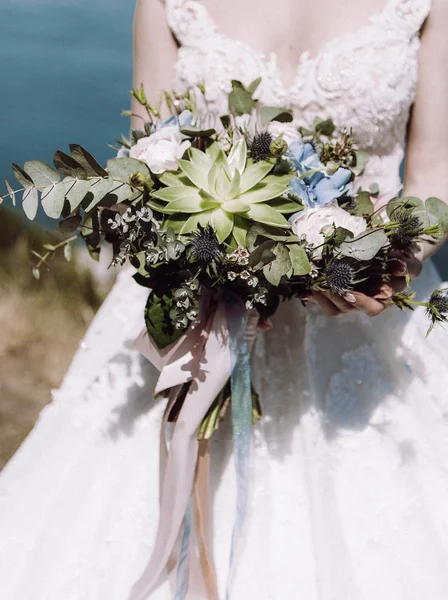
column 240, row 98
column 365, row 246
column 158, row 322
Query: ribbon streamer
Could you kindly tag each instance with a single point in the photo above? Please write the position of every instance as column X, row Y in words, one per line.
column 205, row 355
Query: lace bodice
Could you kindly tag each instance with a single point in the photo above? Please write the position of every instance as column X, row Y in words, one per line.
column 364, row 80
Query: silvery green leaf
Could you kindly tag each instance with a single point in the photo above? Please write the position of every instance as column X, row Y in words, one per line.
column 299, row 259
column 285, row 206
column 280, row 266
column 30, row 202
column 11, row 192
column 76, row 190
column 253, row 85
column 22, row 176
column 97, row 191
column 253, row 174
column 86, row 160
column 262, row 213
column 275, row 113
column 262, row 192
column 239, row 230
column 192, row 131
column 122, row 192
column 361, row 161
column 41, row 173
column 240, row 99
column 195, row 173
column 68, row 166
column 364, row 205
column 52, row 200
column 439, row 210
column 325, row 127
column 222, row 223
column 123, row 168
column 365, row 246
column 262, row 254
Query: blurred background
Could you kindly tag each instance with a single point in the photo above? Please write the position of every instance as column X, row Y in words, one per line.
column 65, row 69
column 66, row 72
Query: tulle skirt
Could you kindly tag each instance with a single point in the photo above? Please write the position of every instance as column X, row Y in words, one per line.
column 349, row 481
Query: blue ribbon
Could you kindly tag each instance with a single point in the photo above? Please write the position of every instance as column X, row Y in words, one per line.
column 182, row 565
column 241, row 389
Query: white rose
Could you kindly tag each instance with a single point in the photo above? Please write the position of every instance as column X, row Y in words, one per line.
column 161, row 149
column 312, row 224
column 288, row 131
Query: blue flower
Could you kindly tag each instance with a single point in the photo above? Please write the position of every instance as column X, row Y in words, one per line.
column 303, row 157
column 181, row 120
column 319, row 189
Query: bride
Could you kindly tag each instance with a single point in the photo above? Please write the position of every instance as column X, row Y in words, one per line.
column 349, row 481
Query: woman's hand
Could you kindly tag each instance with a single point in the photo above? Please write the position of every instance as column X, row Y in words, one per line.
column 400, row 267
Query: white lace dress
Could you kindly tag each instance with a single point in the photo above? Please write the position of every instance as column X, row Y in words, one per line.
column 349, row 492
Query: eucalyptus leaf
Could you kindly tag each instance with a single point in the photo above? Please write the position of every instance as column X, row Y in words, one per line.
column 52, row 200
column 11, row 192
column 262, row 255
column 123, row 168
column 98, row 190
column 240, row 99
column 30, row 202
column 76, row 190
column 299, row 260
column 41, row 173
column 325, row 127
column 86, row 160
column 364, row 205
column 365, row 246
column 275, row 113
column 361, row 158
column 439, row 210
column 280, row 266
column 22, row 176
column 192, row 131
column 253, row 85
column 68, row 166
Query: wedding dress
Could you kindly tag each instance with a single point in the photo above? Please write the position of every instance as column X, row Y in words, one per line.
column 349, row 482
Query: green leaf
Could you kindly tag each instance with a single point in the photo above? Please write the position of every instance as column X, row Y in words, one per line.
column 222, row 222
column 235, row 206
column 52, row 200
column 71, row 224
column 239, row 230
column 192, row 131
column 123, row 168
column 439, row 210
column 263, row 192
column 405, row 202
column 364, row 246
column 262, row 255
column 75, row 191
column 175, row 222
column 41, row 173
column 364, row 205
column 191, row 224
column 68, row 166
column 30, row 202
column 262, row 213
column 189, row 204
column 200, row 159
column 158, row 321
column 174, row 179
column 223, row 183
column 253, row 85
column 299, row 260
column 240, row 99
column 253, row 174
column 120, row 192
column 237, row 156
column 195, row 173
column 275, row 113
column 235, row 186
column 325, row 127
column 285, row 206
column 22, row 176
column 177, row 193
column 362, row 158
column 272, row 233
column 86, row 160
column 279, row 267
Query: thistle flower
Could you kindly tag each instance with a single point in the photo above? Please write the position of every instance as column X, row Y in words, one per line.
column 408, row 229
column 339, row 277
column 204, row 244
column 437, row 307
column 260, row 147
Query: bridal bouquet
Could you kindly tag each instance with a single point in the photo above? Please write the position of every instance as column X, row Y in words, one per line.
column 222, row 219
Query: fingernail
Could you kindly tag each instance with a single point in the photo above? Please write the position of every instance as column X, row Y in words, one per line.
column 350, row 298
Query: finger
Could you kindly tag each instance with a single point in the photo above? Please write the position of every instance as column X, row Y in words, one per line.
column 339, row 302
column 327, row 306
column 370, row 306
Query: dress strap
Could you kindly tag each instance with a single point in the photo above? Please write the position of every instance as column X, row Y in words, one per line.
column 189, row 21
column 404, row 15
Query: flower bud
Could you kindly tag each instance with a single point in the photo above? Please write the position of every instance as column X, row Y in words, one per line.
column 332, row 167
column 278, row 147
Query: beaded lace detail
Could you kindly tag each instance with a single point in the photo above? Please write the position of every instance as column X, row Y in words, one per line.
column 364, row 80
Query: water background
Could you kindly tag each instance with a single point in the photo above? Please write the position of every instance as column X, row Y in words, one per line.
column 65, row 75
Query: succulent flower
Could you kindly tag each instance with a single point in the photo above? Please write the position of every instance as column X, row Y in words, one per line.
column 222, row 191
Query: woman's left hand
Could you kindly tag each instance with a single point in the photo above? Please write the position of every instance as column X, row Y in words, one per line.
column 400, row 266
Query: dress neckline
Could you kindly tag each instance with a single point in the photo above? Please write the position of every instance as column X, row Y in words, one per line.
column 306, row 56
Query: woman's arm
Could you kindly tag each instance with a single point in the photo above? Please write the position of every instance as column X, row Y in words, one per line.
column 155, row 52
column 426, row 172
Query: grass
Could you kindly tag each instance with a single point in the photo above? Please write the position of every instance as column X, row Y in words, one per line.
column 41, row 325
